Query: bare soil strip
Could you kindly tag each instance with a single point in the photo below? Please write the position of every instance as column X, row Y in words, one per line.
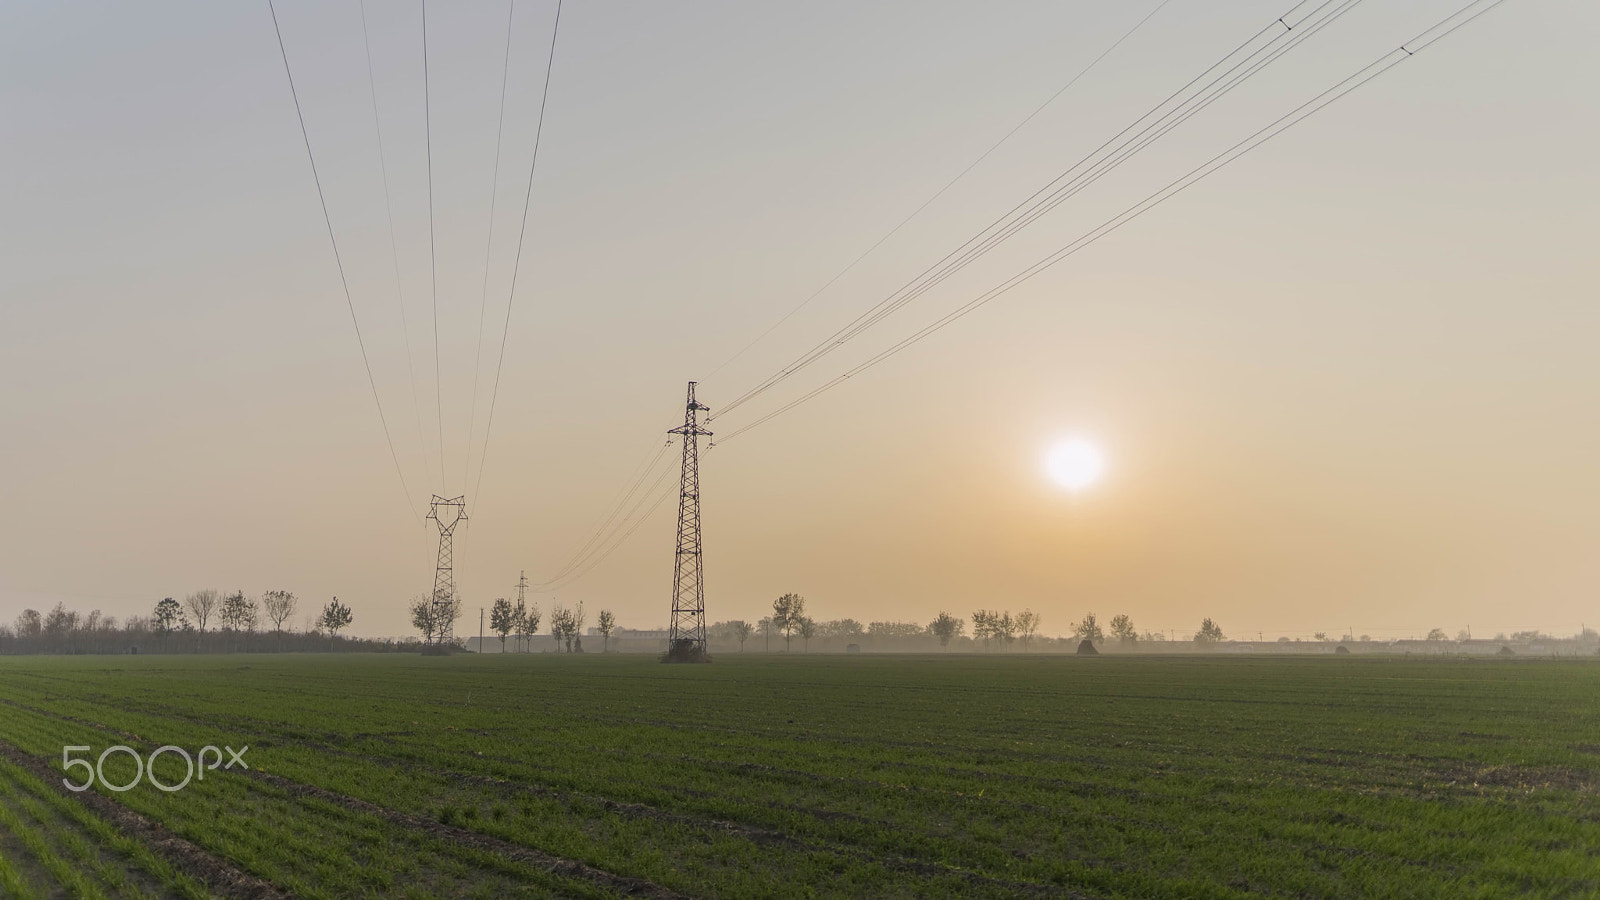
column 218, row 875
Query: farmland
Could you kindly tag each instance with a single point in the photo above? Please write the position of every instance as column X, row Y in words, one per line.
column 773, row 775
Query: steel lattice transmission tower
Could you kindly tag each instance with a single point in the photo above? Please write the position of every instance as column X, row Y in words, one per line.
column 688, row 580
column 447, row 513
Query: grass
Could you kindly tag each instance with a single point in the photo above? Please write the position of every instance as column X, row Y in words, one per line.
column 773, row 775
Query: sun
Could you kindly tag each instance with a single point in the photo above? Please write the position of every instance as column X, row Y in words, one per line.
column 1074, row 463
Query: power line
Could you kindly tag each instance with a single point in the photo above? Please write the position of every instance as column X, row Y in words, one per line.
column 661, row 489
column 338, row 260
column 433, row 260
column 516, row 265
column 394, row 247
column 948, row 185
column 1400, row 54
column 1099, row 163
column 494, row 184
column 641, row 474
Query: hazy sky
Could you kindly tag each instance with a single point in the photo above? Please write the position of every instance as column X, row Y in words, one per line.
column 1347, row 382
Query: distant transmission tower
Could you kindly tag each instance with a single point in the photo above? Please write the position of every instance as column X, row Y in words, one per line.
column 688, row 581
column 447, row 514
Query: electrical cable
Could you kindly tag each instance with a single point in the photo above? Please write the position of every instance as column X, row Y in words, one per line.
column 433, row 260
column 1439, row 31
column 483, row 299
column 948, row 185
column 600, row 536
column 394, row 247
column 516, row 265
column 1018, row 216
column 338, row 260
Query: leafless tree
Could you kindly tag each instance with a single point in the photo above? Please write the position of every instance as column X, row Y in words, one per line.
column 741, row 630
column 1027, row 623
column 201, row 605
column 1089, row 629
column 280, row 606
column 606, row 623
column 807, row 629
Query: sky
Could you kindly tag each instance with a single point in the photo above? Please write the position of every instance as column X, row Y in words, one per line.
column 1346, row 383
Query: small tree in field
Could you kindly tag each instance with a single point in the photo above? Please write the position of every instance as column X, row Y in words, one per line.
column 202, row 604
column 167, row 619
column 1089, row 630
column 239, row 612
column 1209, row 633
column 335, row 618
column 807, row 629
column 1123, row 630
column 527, row 624
column 606, row 623
column 1005, row 628
column 1027, row 623
column 502, row 620
column 1438, row 634
column 435, row 616
column 741, row 630
column 946, row 627
column 787, row 611
column 280, row 606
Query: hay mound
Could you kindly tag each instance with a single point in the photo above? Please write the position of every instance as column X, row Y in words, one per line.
column 1086, row 648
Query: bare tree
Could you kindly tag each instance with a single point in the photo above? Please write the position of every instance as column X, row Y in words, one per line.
column 807, row 629
column 502, row 620
column 741, row 630
column 201, row 605
column 946, row 628
column 575, row 628
column 280, row 606
column 1027, row 623
column 1089, row 629
column 787, row 611
column 606, row 623
column 561, row 627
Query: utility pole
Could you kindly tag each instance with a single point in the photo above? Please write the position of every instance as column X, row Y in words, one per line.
column 522, row 605
column 688, row 579
column 480, row 629
column 447, row 514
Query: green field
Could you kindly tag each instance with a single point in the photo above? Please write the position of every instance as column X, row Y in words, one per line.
column 793, row 776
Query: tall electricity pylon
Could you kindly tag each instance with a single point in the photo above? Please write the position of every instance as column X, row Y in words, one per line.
column 688, row 580
column 447, row 514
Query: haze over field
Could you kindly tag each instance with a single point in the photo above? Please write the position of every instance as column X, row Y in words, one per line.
column 1347, row 382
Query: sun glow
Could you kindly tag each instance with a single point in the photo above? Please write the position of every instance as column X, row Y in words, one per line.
column 1074, row 463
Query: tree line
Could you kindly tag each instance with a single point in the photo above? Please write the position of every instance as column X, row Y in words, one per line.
column 206, row 621
column 990, row 629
